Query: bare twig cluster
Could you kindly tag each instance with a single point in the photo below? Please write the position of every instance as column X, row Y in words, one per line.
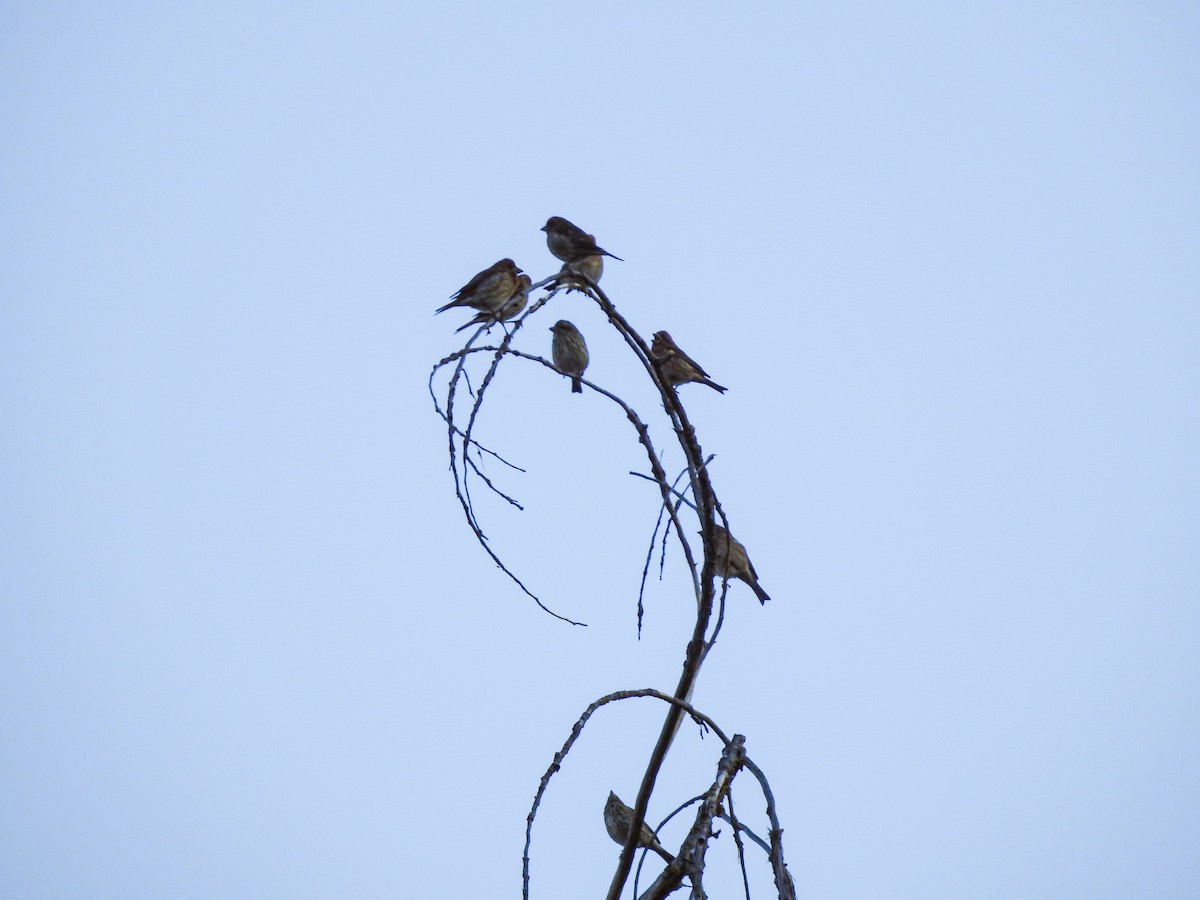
column 499, row 295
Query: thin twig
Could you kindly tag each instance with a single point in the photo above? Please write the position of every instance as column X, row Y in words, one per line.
column 737, row 840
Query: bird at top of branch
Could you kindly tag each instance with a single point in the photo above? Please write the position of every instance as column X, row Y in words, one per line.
column 570, row 243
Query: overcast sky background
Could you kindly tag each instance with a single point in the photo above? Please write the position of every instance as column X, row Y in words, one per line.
column 945, row 257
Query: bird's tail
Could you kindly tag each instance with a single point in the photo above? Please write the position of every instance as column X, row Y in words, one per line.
column 762, row 595
column 716, row 387
column 576, row 385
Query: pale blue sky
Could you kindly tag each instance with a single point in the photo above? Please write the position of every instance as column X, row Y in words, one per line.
column 946, row 260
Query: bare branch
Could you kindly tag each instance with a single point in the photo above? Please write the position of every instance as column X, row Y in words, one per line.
column 690, row 862
column 690, row 859
column 577, row 730
column 783, row 879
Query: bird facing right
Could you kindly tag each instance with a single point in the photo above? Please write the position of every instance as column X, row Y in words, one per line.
column 569, row 242
column 732, row 561
column 569, row 352
column 675, row 367
column 617, row 819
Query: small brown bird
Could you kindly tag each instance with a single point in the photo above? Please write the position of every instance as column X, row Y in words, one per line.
column 617, row 819
column 489, row 290
column 676, row 367
column 511, row 307
column 570, row 243
column 732, row 562
column 591, row 266
column 569, row 352
column 569, row 274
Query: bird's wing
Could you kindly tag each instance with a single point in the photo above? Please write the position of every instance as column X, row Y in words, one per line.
column 688, row 359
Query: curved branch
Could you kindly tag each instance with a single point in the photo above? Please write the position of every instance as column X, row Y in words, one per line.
column 577, row 730
column 461, row 486
column 659, row 474
column 708, row 510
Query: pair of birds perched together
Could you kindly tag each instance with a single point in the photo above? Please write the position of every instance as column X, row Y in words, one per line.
column 501, row 291
column 675, row 367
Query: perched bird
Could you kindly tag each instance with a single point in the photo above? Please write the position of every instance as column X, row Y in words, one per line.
column 676, row 367
column 569, row 352
column 591, row 266
column 489, row 290
column 617, row 819
column 569, row 274
column 511, row 307
column 570, row 243
column 732, row 561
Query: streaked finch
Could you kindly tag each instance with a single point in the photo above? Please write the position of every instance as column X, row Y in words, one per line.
column 617, row 819
column 569, row 352
column 511, row 307
column 489, row 290
column 675, row 367
column 732, row 561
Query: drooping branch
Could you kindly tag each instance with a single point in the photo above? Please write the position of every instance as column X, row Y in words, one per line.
column 500, row 352
column 577, row 730
column 703, row 570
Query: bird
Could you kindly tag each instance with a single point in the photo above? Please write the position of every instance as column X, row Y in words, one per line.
column 569, row 276
column 617, row 819
column 732, row 561
column 570, row 243
column 569, row 352
column 511, row 307
column 591, row 266
column 489, row 290
column 676, row 367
